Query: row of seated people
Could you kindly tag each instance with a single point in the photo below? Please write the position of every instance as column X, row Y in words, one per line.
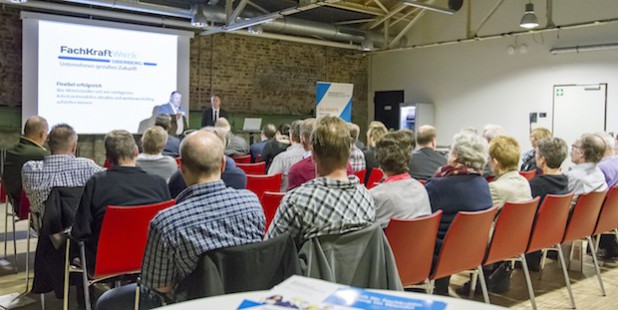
column 332, row 203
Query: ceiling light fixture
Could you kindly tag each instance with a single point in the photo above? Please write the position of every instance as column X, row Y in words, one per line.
column 199, row 19
column 529, row 20
column 16, row 1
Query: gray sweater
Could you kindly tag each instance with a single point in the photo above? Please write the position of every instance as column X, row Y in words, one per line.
column 161, row 165
column 404, row 199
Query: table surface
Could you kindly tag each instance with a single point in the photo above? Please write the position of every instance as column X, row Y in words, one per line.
column 232, row 301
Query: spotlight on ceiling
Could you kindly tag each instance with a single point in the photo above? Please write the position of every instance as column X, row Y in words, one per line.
column 199, row 19
column 529, row 19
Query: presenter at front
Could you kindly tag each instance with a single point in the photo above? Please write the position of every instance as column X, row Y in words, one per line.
column 178, row 114
column 212, row 114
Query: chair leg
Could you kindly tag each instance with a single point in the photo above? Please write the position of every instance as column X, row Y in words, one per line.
column 524, row 265
column 483, row 285
column 597, row 240
column 543, row 258
column 432, row 286
column 82, row 252
column 137, row 291
column 6, row 226
column 65, row 301
column 596, row 266
column 14, row 243
column 473, row 284
column 28, row 253
column 42, row 301
column 428, row 287
column 566, row 275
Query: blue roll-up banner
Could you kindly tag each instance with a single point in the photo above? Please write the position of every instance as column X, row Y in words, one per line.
column 334, row 99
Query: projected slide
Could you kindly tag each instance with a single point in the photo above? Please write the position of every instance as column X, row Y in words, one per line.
column 97, row 79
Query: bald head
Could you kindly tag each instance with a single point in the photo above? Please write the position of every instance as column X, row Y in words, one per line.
column 223, row 123
column 36, row 129
column 201, row 156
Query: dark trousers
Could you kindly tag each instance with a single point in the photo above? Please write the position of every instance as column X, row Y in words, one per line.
column 609, row 244
column 124, row 298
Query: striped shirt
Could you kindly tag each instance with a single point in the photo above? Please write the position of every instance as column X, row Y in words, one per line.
column 284, row 161
column 323, row 206
column 207, row 216
column 39, row 177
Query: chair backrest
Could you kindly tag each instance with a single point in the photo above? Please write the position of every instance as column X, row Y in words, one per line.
column 512, row 230
column 423, row 182
column 24, row 206
column 249, row 267
column 413, row 242
column 2, row 193
column 258, row 158
column 584, row 216
column 177, row 161
column 270, row 202
column 465, row 243
column 374, row 177
column 361, row 174
column 263, row 183
column 123, row 237
column 255, row 169
column 608, row 218
column 246, row 159
column 550, row 222
column 528, row 174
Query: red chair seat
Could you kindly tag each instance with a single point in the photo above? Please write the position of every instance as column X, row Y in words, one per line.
column 270, row 202
column 255, row 169
column 263, row 183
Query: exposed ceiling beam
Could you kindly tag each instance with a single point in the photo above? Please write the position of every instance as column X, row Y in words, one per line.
column 261, row 9
column 397, row 20
column 357, row 21
column 357, row 8
column 486, row 18
column 387, row 16
column 239, row 8
column 381, row 6
column 407, row 28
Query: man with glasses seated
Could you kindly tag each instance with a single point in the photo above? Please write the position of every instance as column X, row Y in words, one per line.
column 585, row 176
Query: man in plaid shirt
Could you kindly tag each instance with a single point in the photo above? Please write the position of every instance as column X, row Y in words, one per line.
column 333, row 203
column 60, row 169
column 208, row 215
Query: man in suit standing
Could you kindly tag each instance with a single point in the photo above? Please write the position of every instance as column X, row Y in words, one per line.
column 212, row 114
column 178, row 114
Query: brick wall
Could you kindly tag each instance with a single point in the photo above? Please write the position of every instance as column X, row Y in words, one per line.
column 270, row 76
column 10, row 58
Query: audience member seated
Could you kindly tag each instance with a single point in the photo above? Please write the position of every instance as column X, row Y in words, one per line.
column 172, row 145
column 490, row 131
column 30, row 147
column 152, row 160
column 425, row 160
column 585, row 176
column 376, row 131
column 236, row 146
column 276, row 145
column 399, row 196
column 609, row 163
column 267, row 134
column 333, row 203
column 508, row 185
column 284, row 161
column 357, row 158
column 459, row 186
column 60, row 169
column 208, row 215
column 232, row 176
column 123, row 184
column 304, row 170
column 359, row 144
column 528, row 159
column 550, row 153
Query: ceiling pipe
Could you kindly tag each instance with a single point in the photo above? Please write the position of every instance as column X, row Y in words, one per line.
column 289, row 26
column 585, row 48
column 503, row 35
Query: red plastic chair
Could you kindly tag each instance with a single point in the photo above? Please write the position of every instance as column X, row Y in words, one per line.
column 581, row 225
column 465, row 244
column 375, row 176
column 511, row 235
column 422, row 182
column 270, row 202
column 413, row 242
column 122, row 241
column 2, row 194
column 528, row 174
column 258, row 159
column 246, row 159
column 263, row 183
column 255, row 169
column 177, row 161
column 548, row 230
column 361, row 174
column 608, row 218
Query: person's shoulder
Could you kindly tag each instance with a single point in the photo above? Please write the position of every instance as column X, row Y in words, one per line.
column 32, row 165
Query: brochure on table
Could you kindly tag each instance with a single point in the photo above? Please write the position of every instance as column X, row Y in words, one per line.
column 306, row 293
